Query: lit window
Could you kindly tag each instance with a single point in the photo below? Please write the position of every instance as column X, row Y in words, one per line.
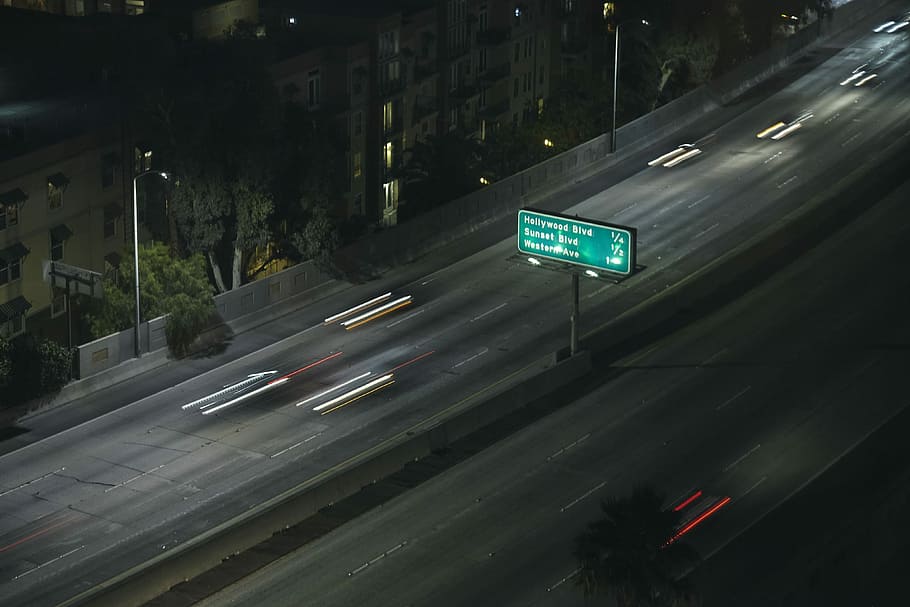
column 292, row 20
column 387, row 116
column 56, row 183
column 9, row 215
column 609, row 10
column 388, row 153
column 357, row 164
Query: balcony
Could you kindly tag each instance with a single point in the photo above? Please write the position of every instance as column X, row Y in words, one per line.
column 394, row 127
column 390, row 88
column 464, row 92
column 493, row 36
column 492, row 75
column 493, row 111
column 424, row 106
column 422, row 71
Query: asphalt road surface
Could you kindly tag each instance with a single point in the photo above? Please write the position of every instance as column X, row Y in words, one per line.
column 750, row 403
column 78, row 507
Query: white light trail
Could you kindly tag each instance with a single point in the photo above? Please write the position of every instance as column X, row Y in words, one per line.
column 787, row 131
column 683, row 158
column 853, row 77
column 357, row 308
column 883, row 26
column 355, row 392
column 333, row 388
column 251, row 379
column 667, row 156
column 773, row 127
column 234, row 401
column 865, row 80
column 376, row 311
column 897, row 27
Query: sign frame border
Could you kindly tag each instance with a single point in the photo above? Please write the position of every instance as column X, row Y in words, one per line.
column 633, row 245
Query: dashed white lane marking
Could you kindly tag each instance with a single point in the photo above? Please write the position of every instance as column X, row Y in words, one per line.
column 583, row 496
column 729, row 467
column 732, row 398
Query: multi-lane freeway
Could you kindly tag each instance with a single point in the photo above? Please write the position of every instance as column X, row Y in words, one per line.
column 87, row 503
column 748, row 404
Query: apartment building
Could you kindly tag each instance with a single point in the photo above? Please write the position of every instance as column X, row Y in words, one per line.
column 431, row 66
column 79, row 8
column 62, row 196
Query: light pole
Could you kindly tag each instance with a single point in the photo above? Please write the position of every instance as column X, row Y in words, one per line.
column 163, row 175
column 616, row 78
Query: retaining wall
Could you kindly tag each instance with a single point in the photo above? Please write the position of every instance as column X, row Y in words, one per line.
column 104, row 354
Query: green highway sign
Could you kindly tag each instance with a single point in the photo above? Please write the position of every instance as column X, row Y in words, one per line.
column 587, row 243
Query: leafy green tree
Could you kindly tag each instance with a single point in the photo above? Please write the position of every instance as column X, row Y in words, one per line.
column 169, row 285
column 627, row 554
column 687, row 58
column 257, row 173
column 578, row 110
column 311, row 174
column 36, row 367
column 219, row 141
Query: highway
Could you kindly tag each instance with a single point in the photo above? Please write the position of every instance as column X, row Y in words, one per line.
column 750, row 403
column 83, row 505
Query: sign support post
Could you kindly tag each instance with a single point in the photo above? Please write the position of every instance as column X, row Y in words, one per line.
column 573, row 344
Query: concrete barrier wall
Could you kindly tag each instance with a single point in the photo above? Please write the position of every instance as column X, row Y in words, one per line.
column 105, row 353
column 460, row 217
column 143, row 583
column 256, row 295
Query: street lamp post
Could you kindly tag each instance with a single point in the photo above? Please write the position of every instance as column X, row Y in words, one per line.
column 163, row 175
column 616, row 80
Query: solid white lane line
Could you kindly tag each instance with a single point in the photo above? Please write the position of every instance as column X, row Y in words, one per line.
column 787, row 182
column 34, row 480
column 752, row 488
column 467, row 360
column 130, row 480
column 670, row 206
column 628, row 208
column 53, row 560
column 699, row 201
column 729, row 467
column 714, row 356
column 377, row 558
column 850, row 140
column 295, row 445
column 773, row 157
column 563, row 580
column 703, row 232
column 732, row 398
column 581, row 497
column 409, row 316
column 600, row 290
column 569, row 446
column 488, row 312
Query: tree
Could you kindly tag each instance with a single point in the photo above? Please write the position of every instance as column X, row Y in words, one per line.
column 169, row 285
column 257, row 174
column 627, row 554
column 219, row 141
column 691, row 56
column 36, row 367
column 6, row 363
column 311, row 174
column 440, row 168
